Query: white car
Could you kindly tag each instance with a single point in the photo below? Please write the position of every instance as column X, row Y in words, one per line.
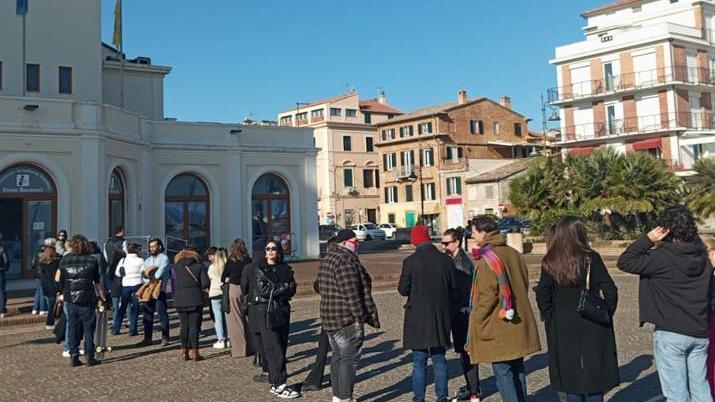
column 389, row 229
column 368, row 231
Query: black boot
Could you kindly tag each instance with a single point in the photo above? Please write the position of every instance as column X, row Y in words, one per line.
column 75, row 362
column 91, row 361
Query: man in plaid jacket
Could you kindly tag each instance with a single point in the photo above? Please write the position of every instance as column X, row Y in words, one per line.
column 346, row 304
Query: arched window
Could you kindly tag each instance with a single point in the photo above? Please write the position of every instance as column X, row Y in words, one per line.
column 271, row 210
column 186, row 213
column 116, row 200
column 28, row 214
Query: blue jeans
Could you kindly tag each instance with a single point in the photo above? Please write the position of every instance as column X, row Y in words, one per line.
column 128, row 296
column 511, row 380
column 38, row 302
column 50, row 302
column 115, row 307
column 681, row 362
column 80, row 316
column 346, row 344
column 3, row 293
column 584, row 398
column 219, row 319
column 419, row 375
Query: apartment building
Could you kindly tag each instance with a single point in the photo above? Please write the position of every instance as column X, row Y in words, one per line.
column 347, row 161
column 641, row 81
column 426, row 156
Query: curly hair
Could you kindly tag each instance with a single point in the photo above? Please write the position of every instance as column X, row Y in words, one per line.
column 680, row 222
column 79, row 244
column 485, row 223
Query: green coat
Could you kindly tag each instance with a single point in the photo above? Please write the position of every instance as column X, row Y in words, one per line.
column 492, row 339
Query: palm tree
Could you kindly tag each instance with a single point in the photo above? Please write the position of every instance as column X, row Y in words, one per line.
column 702, row 196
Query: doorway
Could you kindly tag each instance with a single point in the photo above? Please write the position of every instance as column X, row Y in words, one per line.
column 11, row 230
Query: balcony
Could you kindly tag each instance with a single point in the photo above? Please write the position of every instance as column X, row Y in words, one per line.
column 405, row 172
column 640, row 125
column 632, row 82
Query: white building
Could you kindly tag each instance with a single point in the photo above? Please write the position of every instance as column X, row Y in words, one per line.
column 642, row 80
column 78, row 152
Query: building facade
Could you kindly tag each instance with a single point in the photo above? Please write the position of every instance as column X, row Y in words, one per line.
column 348, row 161
column 426, row 156
column 84, row 146
column 641, row 81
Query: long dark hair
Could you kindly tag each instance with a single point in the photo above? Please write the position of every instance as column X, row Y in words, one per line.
column 279, row 252
column 238, row 251
column 566, row 249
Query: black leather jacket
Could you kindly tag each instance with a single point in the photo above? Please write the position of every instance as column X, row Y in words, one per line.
column 78, row 274
column 275, row 279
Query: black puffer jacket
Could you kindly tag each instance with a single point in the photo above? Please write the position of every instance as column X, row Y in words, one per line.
column 78, row 274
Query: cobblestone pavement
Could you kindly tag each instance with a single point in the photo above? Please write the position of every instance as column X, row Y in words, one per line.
column 33, row 370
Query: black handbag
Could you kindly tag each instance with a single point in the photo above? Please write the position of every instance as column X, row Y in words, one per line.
column 591, row 305
column 225, row 298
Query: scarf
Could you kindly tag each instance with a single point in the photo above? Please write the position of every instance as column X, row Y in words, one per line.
column 495, row 264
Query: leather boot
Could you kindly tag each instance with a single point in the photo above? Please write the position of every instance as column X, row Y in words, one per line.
column 184, row 354
column 197, row 356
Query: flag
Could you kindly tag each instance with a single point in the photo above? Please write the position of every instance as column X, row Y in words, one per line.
column 117, row 37
column 21, row 7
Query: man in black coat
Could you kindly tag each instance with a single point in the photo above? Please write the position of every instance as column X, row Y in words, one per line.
column 427, row 280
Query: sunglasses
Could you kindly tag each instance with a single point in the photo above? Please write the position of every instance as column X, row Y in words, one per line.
column 270, row 249
column 445, row 243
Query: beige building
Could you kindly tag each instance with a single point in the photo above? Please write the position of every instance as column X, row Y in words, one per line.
column 348, row 161
column 427, row 155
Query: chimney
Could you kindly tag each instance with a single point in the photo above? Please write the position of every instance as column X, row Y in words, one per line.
column 462, row 97
column 505, row 101
column 381, row 99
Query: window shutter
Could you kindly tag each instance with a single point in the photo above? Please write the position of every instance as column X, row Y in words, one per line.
column 395, row 192
column 367, row 178
column 384, row 162
column 460, row 152
column 387, row 196
column 412, row 157
column 449, row 152
column 459, row 185
column 402, row 159
column 377, row 178
column 481, row 127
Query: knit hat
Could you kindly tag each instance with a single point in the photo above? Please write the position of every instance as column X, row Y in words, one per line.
column 344, row 235
column 419, row 235
column 259, row 244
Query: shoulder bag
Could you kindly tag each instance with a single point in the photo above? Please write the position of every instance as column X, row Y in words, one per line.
column 204, row 295
column 591, row 305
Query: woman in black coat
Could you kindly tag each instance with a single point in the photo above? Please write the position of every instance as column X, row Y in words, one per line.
column 271, row 286
column 191, row 280
column 582, row 353
column 47, row 266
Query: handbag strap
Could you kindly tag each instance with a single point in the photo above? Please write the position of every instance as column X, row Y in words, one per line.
column 588, row 273
column 192, row 275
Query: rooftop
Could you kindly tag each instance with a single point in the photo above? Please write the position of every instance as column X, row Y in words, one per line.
column 618, row 4
column 438, row 109
column 374, row 106
column 503, row 172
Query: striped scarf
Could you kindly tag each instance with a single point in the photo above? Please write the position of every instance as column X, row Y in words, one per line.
column 506, row 310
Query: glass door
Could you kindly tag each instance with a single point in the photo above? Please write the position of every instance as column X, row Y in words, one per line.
column 38, row 227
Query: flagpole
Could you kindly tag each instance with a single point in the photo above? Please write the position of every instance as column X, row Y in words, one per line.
column 24, row 56
column 121, row 55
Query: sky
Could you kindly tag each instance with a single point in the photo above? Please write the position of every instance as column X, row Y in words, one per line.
column 233, row 59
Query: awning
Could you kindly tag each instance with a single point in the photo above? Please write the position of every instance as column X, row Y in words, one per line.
column 652, row 143
column 581, row 150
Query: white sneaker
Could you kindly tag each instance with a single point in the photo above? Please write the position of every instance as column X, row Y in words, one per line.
column 65, row 353
column 49, row 327
column 34, row 312
column 220, row 345
column 43, row 312
column 81, row 352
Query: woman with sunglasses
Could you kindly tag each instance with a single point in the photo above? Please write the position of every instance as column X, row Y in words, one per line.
column 272, row 286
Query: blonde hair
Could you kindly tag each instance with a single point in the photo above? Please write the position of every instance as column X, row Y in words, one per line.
column 709, row 242
column 219, row 263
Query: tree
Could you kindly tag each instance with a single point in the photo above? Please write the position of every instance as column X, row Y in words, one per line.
column 702, row 188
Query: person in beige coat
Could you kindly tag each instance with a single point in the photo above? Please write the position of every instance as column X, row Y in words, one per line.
column 502, row 328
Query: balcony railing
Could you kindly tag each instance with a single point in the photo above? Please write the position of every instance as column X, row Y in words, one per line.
column 632, row 81
column 404, row 172
column 639, row 125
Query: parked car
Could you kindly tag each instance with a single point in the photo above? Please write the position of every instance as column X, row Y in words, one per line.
column 389, row 229
column 368, row 231
column 510, row 224
column 325, row 232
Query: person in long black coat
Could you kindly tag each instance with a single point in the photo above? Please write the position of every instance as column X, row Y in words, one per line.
column 582, row 353
column 427, row 280
column 192, row 281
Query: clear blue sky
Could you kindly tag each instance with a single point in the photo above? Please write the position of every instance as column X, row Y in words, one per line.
column 235, row 57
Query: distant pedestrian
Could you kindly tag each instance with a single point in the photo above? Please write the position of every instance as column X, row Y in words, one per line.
column 582, row 353
column 502, row 328
column 675, row 295
column 81, row 291
column 114, row 250
column 428, row 282
column 191, row 282
column 4, row 267
column 215, row 272
column 346, row 305
column 252, row 320
column 39, row 304
column 130, row 271
column 236, row 320
column 47, row 267
column 61, row 243
column 156, row 268
column 452, row 244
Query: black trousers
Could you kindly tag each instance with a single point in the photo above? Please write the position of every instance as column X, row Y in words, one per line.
column 460, row 328
column 190, row 323
column 275, row 346
column 158, row 305
column 316, row 374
